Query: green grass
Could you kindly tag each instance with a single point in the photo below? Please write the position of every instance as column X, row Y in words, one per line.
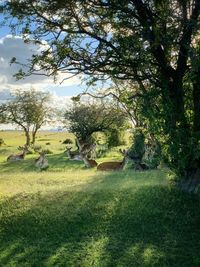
column 71, row 216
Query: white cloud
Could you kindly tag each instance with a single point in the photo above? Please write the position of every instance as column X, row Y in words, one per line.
column 15, row 47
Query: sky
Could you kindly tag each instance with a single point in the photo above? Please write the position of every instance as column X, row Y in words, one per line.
column 13, row 46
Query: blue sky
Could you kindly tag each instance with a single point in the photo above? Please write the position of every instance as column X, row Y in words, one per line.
column 9, row 47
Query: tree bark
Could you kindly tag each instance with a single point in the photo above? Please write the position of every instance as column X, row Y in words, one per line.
column 191, row 183
column 192, row 180
column 27, row 134
column 33, row 137
column 196, row 103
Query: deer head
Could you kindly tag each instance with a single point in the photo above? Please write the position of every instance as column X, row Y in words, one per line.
column 89, row 163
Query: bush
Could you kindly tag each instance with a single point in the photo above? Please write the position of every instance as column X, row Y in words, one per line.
column 67, row 141
column 101, row 151
column 152, row 156
column 138, row 147
column 115, row 138
column 48, row 143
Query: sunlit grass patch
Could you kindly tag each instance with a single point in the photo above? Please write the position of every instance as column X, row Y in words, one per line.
column 73, row 216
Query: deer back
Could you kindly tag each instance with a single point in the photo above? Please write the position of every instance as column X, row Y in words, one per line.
column 110, row 166
column 16, row 157
column 114, row 165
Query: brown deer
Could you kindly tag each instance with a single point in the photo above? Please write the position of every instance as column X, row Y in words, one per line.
column 73, row 155
column 89, row 163
column 114, row 166
column 86, row 150
column 18, row 157
column 42, row 162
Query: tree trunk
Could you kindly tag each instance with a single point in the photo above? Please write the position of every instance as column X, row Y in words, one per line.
column 196, row 103
column 191, row 183
column 182, row 140
column 33, row 137
column 27, row 134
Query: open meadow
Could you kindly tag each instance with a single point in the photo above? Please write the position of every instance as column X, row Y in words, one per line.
column 72, row 216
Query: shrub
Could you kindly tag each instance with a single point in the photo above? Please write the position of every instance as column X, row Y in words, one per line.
column 101, row 151
column 115, row 138
column 138, row 147
column 67, row 141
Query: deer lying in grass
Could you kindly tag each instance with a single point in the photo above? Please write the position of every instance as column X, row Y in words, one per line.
column 42, row 161
column 114, row 166
column 18, row 157
column 73, row 155
column 85, row 152
column 89, row 163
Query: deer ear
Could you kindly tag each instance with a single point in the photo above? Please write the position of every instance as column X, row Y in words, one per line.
column 123, row 152
column 120, row 151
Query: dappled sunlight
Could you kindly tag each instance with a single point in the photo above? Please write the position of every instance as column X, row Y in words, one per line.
column 141, row 254
column 44, row 182
column 93, row 224
column 152, row 255
column 93, row 253
column 69, row 215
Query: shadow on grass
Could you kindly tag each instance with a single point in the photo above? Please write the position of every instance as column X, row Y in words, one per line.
column 57, row 162
column 133, row 226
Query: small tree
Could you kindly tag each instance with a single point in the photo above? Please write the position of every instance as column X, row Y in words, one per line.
column 86, row 119
column 27, row 109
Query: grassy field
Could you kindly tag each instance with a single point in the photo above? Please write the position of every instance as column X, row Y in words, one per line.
column 71, row 216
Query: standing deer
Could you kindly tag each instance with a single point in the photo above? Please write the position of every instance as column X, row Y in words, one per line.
column 42, row 162
column 18, row 157
column 114, row 166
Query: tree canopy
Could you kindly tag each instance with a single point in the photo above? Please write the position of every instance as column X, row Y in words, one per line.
column 85, row 119
column 29, row 110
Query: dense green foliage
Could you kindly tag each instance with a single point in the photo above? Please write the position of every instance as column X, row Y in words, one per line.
column 138, row 147
column 87, row 119
column 115, row 137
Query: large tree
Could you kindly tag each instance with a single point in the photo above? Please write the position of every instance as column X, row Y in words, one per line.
column 154, row 43
column 29, row 110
